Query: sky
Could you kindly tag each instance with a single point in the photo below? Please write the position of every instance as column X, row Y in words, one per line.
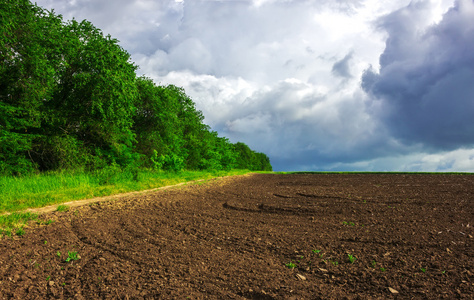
column 317, row 85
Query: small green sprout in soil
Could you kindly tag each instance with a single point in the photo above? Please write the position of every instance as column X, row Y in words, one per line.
column 58, row 254
column 72, row 256
column 316, row 251
column 290, row 265
column 383, row 269
column 423, row 270
column 373, row 263
column 352, row 258
column 48, row 278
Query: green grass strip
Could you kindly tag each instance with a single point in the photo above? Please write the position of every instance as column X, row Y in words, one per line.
column 20, row 193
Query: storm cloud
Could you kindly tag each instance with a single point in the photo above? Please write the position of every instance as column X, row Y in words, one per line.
column 424, row 91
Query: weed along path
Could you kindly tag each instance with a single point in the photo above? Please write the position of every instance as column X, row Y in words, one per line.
column 264, row 236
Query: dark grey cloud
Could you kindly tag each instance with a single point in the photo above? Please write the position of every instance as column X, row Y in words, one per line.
column 342, row 67
column 424, row 91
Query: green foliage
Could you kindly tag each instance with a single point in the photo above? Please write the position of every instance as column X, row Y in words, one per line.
column 22, row 76
column 72, row 255
column 70, row 99
column 251, row 160
column 167, row 162
column 172, row 162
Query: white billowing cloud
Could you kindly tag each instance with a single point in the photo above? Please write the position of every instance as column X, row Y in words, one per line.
column 284, row 76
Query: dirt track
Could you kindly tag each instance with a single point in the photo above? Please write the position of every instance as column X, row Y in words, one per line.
column 232, row 238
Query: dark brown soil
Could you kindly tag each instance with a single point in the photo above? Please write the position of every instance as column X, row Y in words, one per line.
column 237, row 238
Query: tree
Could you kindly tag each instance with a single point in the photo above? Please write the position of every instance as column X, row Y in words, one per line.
column 70, row 97
column 249, row 159
column 96, row 93
column 157, row 122
column 25, row 81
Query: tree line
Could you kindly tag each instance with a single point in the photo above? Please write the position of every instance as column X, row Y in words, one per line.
column 70, row 98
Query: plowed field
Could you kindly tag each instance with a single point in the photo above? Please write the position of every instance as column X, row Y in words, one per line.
column 262, row 236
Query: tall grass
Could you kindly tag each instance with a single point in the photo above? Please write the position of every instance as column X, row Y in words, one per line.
column 20, row 193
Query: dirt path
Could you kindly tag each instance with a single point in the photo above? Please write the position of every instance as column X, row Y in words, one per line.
column 257, row 237
column 76, row 203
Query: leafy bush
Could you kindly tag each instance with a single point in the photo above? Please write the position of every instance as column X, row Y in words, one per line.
column 170, row 162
